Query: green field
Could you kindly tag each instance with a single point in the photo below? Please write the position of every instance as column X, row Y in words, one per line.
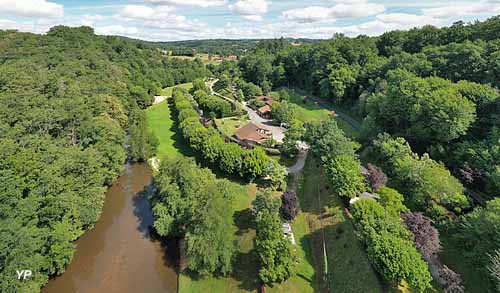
column 348, row 267
column 161, row 123
column 309, row 111
column 168, row 91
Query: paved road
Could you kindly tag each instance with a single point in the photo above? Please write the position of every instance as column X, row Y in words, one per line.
column 278, row 132
column 299, row 164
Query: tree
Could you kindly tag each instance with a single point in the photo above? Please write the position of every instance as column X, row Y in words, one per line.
column 375, row 177
column 289, row 205
column 255, row 163
column 453, row 280
column 276, row 258
column 284, row 112
column 397, row 259
column 344, row 174
column 392, row 201
column 327, row 139
column 477, row 234
column 189, row 202
column 422, row 110
column 143, row 142
column 426, row 236
column 276, row 174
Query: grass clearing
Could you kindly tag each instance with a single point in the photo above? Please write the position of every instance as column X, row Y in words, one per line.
column 161, row 122
column 168, row 91
column 348, row 268
column 309, row 111
column 228, row 126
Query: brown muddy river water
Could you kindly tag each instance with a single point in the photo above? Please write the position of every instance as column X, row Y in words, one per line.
column 119, row 255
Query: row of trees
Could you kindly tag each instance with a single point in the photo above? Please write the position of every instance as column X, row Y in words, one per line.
column 229, row 157
column 67, row 99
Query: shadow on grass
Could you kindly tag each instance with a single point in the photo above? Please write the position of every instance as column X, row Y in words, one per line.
column 246, row 264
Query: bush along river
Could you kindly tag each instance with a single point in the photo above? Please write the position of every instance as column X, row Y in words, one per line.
column 120, row 254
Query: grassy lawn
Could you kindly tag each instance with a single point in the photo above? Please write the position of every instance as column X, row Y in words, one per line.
column 228, row 126
column 348, row 268
column 304, row 279
column 161, row 123
column 308, row 111
column 244, row 277
column 168, row 91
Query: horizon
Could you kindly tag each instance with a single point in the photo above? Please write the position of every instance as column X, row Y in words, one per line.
column 176, row 20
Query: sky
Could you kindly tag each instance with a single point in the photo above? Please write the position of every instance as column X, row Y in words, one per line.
column 171, row 20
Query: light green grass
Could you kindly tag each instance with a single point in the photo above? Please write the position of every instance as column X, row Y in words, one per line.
column 168, row 91
column 309, row 112
column 161, row 122
column 228, row 126
column 244, row 276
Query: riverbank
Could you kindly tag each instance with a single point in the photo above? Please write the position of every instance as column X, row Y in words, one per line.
column 119, row 254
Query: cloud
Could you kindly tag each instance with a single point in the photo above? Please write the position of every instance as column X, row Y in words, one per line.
column 250, row 9
column 199, row 3
column 90, row 19
column 464, row 9
column 344, row 9
column 117, row 30
column 158, row 17
column 145, row 12
column 31, row 8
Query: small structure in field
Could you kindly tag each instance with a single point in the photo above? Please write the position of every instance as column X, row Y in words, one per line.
column 364, row 195
column 287, row 232
column 252, row 134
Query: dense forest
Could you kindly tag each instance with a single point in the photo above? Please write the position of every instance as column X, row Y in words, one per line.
column 67, row 100
column 224, row 47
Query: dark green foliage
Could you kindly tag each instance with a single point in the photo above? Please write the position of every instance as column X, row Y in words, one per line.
column 190, row 202
column 391, row 248
column 277, row 260
column 284, row 112
column 427, row 185
column 477, row 235
column 344, row 173
column 328, row 140
column 422, row 110
column 143, row 142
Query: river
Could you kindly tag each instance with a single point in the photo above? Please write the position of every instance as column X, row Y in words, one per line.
column 119, row 255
